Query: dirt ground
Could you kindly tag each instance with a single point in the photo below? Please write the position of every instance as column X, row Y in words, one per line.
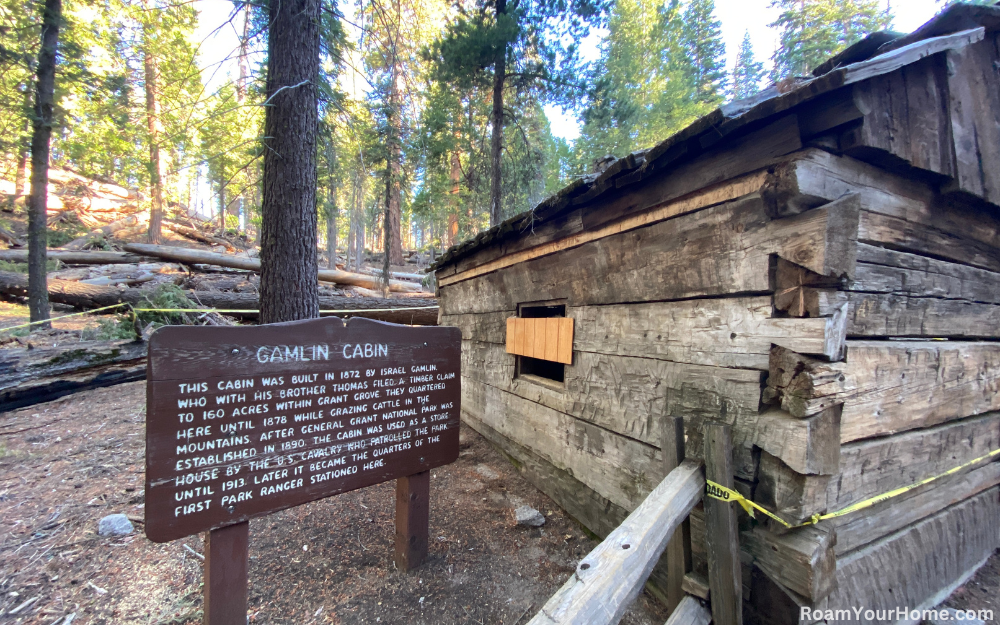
column 66, row 464
column 982, row 592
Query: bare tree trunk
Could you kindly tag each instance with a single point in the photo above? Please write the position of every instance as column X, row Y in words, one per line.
column 288, row 285
column 394, row 214
column 155, row 128
column 359, row 251
column 38, row 296
column 241, row 84
column 455, row 176
column 24, row 150
column 496, row 142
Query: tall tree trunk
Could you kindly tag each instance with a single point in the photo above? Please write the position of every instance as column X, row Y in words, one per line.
column 155, row 130
column 241, row 84
column 38, row 295
column 332, row 212
column 455, row 176
column 222, row 206
column 496, row 141
column 394, row 215
column 288, row 286
column 24, row 149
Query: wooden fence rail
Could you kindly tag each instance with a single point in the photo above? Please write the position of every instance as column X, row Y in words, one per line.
column 612, row 575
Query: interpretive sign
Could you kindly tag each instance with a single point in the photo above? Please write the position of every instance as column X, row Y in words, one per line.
column 245, row 421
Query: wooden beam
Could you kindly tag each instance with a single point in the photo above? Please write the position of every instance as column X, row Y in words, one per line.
column 808, row 446
column 610, row 577
column 890, row 387
column 624, row 396
column 802, row 560
column 872, row 467
column 724, row 573
column 412, row 520
column 920, row 565
column 678, row 553
column 690, row 611
column 227, row 563
column 723, row 192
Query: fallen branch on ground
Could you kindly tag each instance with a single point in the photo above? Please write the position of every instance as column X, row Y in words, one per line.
column 184, row 255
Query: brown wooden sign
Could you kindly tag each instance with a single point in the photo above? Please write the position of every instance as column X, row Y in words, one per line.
column 244, row 421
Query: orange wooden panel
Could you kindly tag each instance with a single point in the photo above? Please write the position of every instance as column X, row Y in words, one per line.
column 538, row 351
column 552, row 339
column 565, row 352
column 529, row 338
column 519, row 331
column 511, row 325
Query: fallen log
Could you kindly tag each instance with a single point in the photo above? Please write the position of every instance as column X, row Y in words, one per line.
column 194, row 234
column 31, row 376
column 360, row 290
column 77, row 258
column 128, row 221
column 185, row 255
column 86, row 296
column 396, row 274
column 10, row 238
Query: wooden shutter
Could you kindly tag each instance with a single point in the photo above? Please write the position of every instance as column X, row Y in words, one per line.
column 546, row 338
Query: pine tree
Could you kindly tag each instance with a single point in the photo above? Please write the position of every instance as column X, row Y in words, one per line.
column 706, row 52
column 644, row 82
column 748, row 71
column 814, row 30
column 521, row 49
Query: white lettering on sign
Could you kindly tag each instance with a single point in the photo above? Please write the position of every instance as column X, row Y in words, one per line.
column 368, row 350
column 292, row 353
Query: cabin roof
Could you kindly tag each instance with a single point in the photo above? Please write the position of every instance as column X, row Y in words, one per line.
column 879, row 53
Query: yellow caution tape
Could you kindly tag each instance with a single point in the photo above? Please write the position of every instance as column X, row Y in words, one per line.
column 86, row 312
column 208, row 310
column 720, row 492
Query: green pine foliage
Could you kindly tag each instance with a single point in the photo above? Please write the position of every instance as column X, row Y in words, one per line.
column 645, row 85
column 812, row 31
column 748, row 71
column 706, row 52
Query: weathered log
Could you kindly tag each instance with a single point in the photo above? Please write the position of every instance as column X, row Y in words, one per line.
column 193, row 233
column 104, row 231
column 30, row 376
column 609, row 578
column 889, row 387
column 184, row 255
column 93, row 296
column 76, row 258
column 396, row 274
column 10, row 238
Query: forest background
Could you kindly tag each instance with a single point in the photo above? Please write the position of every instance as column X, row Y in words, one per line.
column 434, row 115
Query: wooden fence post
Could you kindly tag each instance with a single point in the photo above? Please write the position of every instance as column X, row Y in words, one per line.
column 679, row 548
column 724, row 573
column 226, row 566
column 412, row 519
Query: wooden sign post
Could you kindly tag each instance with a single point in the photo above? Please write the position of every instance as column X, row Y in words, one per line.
column 245, row 421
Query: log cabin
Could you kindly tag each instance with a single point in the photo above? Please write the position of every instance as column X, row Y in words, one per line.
column 818, row 267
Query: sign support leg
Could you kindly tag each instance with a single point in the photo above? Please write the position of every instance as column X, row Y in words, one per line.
column 226, row 564
column 412, row 520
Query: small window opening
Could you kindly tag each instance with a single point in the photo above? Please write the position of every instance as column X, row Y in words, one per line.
column 538, row 367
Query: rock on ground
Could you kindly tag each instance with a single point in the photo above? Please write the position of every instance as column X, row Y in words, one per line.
column 526, row 515
column 115, row 525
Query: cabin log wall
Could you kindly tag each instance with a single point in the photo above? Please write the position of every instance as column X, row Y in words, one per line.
column 838, row 307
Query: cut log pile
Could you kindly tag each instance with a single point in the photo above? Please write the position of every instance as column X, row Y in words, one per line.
column 819, row 270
